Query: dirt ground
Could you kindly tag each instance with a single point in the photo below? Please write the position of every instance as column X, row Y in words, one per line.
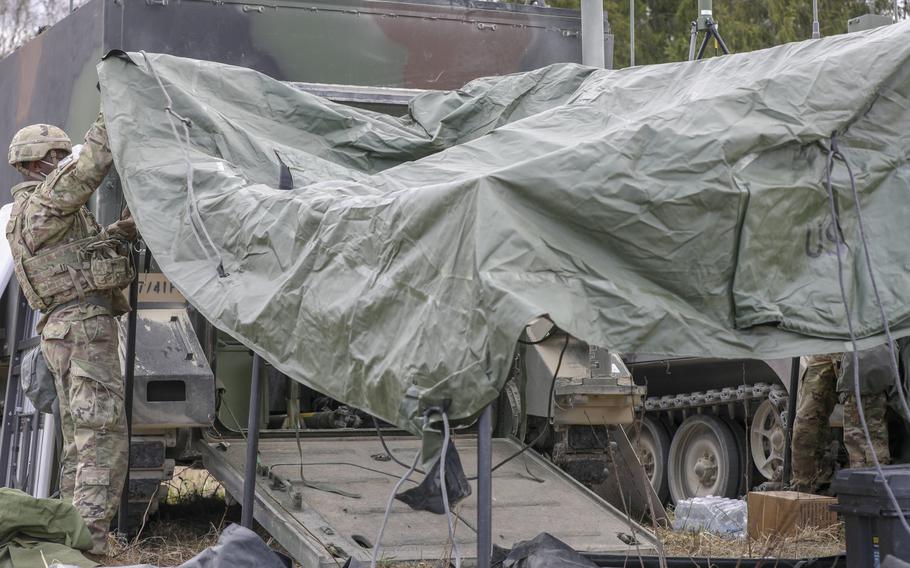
column 196, row 512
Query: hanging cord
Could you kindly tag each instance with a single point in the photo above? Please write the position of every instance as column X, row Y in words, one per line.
column 524, row 447
column 832, row 154
column 546, row 427
column 388, row 508
column 388, row 451
column 442, row 487
column 196, row 223
column 442, row 484
column 836, row 153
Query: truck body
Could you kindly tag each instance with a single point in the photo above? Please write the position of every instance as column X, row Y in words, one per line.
column 192, row 382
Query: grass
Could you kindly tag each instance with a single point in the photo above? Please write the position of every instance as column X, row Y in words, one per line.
column 195, row 512
column 189, row 521
column 808, row 542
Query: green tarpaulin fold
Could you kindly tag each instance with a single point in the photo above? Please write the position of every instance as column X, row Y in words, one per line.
column 38, row 532
column 675, row 209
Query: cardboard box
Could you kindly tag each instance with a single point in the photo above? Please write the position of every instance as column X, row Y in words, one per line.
column 784, row 513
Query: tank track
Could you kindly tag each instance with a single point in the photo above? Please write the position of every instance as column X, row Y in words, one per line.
column 734, row 404
column 698, row 400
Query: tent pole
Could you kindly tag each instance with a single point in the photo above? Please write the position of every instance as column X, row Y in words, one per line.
column 791, row 417
column 485, row 488
column 252, row 446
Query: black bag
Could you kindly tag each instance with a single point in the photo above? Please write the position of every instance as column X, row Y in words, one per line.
column 544, row 551
column 37, row 380
column 428, row 495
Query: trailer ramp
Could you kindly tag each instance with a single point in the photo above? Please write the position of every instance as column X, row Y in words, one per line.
column 530, row 496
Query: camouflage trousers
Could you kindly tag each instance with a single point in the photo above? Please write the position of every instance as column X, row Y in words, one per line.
column 83, row 356
column 811, row 433
column 874, row 407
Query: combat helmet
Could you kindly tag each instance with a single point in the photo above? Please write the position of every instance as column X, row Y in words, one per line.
column 34, row 142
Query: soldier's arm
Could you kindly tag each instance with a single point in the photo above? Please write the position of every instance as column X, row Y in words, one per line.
column 69, row 188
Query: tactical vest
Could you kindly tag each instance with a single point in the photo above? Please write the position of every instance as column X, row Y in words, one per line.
column 87, row 261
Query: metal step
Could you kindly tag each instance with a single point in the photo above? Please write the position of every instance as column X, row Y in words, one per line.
column 327, row 524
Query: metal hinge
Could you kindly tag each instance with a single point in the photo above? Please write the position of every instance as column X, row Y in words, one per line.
column 248, row 8
column 156, row 2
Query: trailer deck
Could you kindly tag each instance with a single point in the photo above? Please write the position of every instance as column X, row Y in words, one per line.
column 530, row 496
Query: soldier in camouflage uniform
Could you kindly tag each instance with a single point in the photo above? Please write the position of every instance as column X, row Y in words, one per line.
column 876, row 380
column 73, row 272
column 811, row 433
column 874, row 408
column 818, row 394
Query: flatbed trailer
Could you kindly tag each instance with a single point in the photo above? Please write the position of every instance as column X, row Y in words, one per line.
column 530, row 495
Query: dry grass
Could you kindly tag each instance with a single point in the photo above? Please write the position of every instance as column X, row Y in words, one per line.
column 189, row 522
column 808, row 543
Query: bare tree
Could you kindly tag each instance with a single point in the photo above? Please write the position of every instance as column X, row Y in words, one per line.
column 20, row 20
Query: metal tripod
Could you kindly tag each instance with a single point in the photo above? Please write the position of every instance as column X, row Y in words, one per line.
column 710, row 32
column 705, row 23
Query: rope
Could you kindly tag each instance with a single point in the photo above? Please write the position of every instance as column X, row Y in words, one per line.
column 524, row 448
column 442, row 487
column 388, row 509
column 388, row 451
column 878, row 300
column 832, row 154
column 546, row 427
column 196, row 222
column 442, row 484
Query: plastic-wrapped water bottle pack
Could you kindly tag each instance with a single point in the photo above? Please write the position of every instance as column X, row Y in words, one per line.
column 719, row 515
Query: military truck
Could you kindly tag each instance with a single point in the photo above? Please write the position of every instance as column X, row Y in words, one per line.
column 192, row 382
column 712, row 426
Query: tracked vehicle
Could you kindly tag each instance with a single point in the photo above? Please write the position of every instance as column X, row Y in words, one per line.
column 193, row 382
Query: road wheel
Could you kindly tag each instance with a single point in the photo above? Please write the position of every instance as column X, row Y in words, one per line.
column 652, row 444
column 767, row 439
column 743, row 452
column 704, row 459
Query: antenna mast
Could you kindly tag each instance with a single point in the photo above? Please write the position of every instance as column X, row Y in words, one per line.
column 816, row 32
column 705, row 23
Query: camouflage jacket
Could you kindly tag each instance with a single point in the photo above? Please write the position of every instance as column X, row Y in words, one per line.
column 51, row 230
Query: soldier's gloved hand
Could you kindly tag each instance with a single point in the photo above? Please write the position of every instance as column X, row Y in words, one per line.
column 124, row 228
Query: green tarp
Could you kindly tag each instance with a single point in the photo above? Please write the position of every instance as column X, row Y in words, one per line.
column 38, row 532
column 676, row 209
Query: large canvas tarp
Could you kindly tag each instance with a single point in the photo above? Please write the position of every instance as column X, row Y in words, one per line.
column 677, row 209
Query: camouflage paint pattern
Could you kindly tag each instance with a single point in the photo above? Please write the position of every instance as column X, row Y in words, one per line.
column 431, row 44
column 811, row 433
column 79, row 340
column 874, row 408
